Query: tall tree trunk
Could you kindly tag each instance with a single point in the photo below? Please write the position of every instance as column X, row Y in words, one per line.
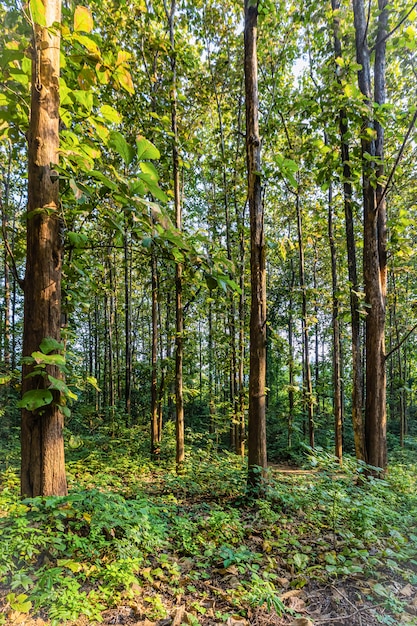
column 154, row 358
column 257, row 415
column 308, row 387
column 357, row 419
column 43, row 463
column 291, row 376
column 374, row 257
column 337, row 389
column 128, row 326
column 179, row 338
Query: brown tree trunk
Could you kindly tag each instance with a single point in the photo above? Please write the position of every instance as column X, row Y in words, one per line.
column 154, row 358
column 308, row 387
column 357, row 419
column 374, row 257
column 128, row 327
column 43, row 463
column 179, row 338
column 337, row 389
column 257, row 418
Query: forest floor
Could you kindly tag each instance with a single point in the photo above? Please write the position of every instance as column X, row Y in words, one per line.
column 137, row 544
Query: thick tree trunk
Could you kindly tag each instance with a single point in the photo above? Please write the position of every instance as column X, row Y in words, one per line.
column 374, row 261
column 257, row 419
column 43, row 464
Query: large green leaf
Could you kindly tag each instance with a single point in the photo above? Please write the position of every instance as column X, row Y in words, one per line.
column 120, row 145
column 35, row 399
column 146, row 149
column 83, row 20
column 60, row 386
column 49, row 359
column 48, row 344
column 37, row 10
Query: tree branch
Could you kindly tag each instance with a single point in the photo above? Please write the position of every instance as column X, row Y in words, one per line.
column 397, row 160
column 400, row 343
column 388, row 35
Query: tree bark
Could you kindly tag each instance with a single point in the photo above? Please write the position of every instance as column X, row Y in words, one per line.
column 257, row 457
column 374, row 258
column 179, row 337
column 154, row 359
column 337, row 389
column 43, row 463
column 308, row 387
column 357, row 419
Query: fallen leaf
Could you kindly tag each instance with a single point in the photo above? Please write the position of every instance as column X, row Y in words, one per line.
column 177, row 615
column 237, row 621
column 407, row 591
column 291, row 594
column 302, row 621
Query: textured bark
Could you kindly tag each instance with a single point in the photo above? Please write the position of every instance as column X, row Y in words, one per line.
column 337, row 388
column 257, row 419
column 307, row 387
column 357, row 419
column 128, row 327
column 154, row 390
column 374, row 262
column 43, row 465
column 179, row 337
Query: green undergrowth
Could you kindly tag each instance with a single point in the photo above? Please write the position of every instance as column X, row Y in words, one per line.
column 137, row 534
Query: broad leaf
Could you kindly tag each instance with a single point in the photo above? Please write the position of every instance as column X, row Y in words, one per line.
column 110, row 114
column 35, row 399
column 48, row 344
column 120, row 145
column 146, row 149
column 60, row 386
column 49, row 359
column 37, row 10
column 83, row 20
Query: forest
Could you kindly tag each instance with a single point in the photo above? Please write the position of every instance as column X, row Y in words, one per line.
column 208, row 315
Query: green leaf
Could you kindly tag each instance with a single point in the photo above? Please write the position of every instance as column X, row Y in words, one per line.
column 49, row 359
column 150, row 169
column 48, row 344
column 120, row 145
column 146, row 149
column 35, row 399
column 110, row 114
column 125, row 79
column 83, row 20
column 92, row 380
column 60, row 386
column 37, row 11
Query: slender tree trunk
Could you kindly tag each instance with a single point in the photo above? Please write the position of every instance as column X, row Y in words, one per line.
column 357, row 420
column 308, row 387
column 128, row 327
column 337, row 390
column 154, row 381
column 374, row 256
column 291, row 377
column 43, row 463
column 257, row 416
column 179, row 338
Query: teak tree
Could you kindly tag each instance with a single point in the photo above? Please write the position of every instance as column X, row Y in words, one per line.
column 257, row 405
column 374, row 242
column 43, row 467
